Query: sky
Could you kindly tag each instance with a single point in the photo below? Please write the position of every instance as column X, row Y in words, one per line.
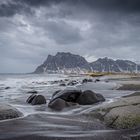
column 32, row 29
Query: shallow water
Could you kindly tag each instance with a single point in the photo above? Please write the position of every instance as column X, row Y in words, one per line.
column 42, row 122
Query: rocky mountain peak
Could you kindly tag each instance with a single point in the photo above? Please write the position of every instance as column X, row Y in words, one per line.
column 65, row 62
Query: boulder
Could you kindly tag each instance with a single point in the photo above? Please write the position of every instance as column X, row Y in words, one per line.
column 30, row 99
column 67, row 95
column 87, row 98
column 121, row 114
column 57, row 104
column 86, row 80
column 100, row 97
column 36, row 99
column 9, row 112
column 55, row 93
column 60, row 104
column 65, row 98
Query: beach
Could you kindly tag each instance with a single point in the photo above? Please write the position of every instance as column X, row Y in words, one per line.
column 76, row 122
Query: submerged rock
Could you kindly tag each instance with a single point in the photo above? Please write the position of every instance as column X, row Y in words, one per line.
column 36, row 99
column 9, row 112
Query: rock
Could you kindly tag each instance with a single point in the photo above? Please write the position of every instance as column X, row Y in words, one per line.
column 100, row 97
column 36, row 99
column 30, row 99
column 62, row 84
column 72, row 83
column 9, row 112
column 121, row 114
column 123, row 117
column 86, row 80
column 97, row 80
column 57, row 104
column 87, row 98
column 133, row 94
column 33, row 92
column 60, row 104
column 132, row 87
column 73, row 97
column 56, row 93
column 7, row 87
column 67, row 95
column 106, row 80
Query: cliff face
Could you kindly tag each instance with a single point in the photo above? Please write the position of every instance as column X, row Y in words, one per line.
column 71, row 63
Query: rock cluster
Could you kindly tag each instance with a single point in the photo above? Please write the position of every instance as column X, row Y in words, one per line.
column 65, row 98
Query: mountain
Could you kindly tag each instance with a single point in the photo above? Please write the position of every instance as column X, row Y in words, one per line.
column 64, row 62
column 110, row 65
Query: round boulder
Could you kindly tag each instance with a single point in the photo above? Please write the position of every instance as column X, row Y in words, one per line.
column 36, row 99
column 60, row 104
column 9, row 112
column 87, row 98
column 30, row 99
column 100, row 97
column 67, row 95
column 54, row 94
column 57, row 104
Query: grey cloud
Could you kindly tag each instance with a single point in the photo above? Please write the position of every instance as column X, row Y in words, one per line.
column 93, row 28
column 63, row 33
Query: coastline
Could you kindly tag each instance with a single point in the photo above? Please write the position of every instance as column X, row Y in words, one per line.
column 74, row 123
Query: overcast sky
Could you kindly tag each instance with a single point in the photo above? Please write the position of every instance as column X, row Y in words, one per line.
column 32, row 29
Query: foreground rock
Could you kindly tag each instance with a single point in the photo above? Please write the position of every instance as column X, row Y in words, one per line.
column 64, row 98
column 36, row 99
column 8, row 112
column 122, row 114
column 59, row 104
column 88, row 97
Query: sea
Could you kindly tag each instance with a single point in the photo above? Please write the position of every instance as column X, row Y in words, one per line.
column 42, row 123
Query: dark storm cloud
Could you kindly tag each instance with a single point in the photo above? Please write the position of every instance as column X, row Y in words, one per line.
column 32, row 29
column 12, row 7
column 103, row 4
